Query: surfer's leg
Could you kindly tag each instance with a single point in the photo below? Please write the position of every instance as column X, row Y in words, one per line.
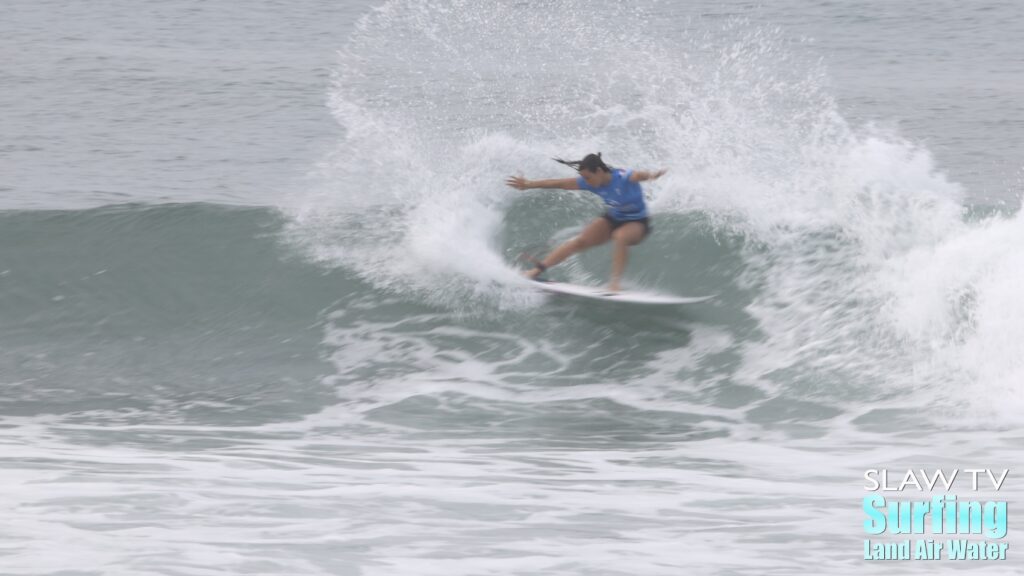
column 624, row 236
column 596, row 233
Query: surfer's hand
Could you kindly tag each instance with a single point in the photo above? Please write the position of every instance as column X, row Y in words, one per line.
column 518, row 182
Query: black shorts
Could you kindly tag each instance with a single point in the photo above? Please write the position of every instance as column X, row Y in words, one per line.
column 616, row 223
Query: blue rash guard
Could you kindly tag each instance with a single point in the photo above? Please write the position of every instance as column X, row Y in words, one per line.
column 624, row 199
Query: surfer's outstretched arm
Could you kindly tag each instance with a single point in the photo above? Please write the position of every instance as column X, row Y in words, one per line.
column 642, row 175
column 520, row 183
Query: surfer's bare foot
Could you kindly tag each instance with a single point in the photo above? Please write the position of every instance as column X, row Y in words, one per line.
column 533, row 273
column 614, row 287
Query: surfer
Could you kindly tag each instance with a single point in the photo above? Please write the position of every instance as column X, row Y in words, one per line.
column 625, row 220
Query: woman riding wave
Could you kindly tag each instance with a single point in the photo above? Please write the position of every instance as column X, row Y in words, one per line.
column 625, row 219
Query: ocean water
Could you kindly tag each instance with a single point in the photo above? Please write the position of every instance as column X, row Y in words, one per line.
column 261, row 315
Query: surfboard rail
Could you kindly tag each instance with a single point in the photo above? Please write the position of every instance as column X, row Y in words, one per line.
column 630, row 296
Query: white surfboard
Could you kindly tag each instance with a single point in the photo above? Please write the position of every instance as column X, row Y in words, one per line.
column 631, row 296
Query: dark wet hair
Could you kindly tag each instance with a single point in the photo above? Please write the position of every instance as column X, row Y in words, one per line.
column 590, row 162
